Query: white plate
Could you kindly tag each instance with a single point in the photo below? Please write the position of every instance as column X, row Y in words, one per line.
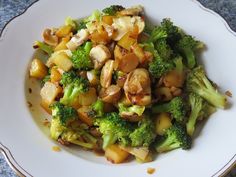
column 22, row 134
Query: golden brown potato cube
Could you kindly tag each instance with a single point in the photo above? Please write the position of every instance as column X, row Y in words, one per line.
column 87, row 98
column 108, row 19
column 115, row 154
column 62, row 61
column 38, row 69
column 55, row 75
column 49, row 92
column 163, row 122
column 45, row 106
column 63, row 31
column 127, row 41
column 83, row 115
column 62, row 44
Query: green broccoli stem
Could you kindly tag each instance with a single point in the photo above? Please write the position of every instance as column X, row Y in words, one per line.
column 168, row 145
column 211, row 94
column 83, row 144
column 160, row 108
column 108, row 139
column 46, row 48
column 190, row 56
column 89, row 137
column 192, row 120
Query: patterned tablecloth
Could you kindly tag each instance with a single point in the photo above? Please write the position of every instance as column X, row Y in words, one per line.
column 11, row 8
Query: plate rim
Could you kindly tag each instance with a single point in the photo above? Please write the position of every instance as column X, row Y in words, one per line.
column 20, row 171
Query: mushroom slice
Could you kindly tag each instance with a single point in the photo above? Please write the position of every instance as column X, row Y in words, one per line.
column 137, row 81
column 99, row 55
column 49, row 38
column 132, row 11
column 111, row 94
column 106, row 74
column 78, row 39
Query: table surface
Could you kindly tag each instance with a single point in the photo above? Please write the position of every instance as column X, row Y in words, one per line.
column 11, row 8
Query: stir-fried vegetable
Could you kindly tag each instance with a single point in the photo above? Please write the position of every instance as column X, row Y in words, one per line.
column 114, row 83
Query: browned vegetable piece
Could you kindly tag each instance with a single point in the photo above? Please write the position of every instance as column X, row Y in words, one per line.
column 127, row 41
column 55, row 75
column 137, row 87
column 50, row 38
column 128, row 63
column 163, row 93
column 174, row 78
column 87, row 98
column 110, row 94
column 108, row 19
column 163, row 122
column 100, row 36
column 63, row 31
column 62, row 44
column 38, row 69
column 131, row 117
column 83, row 115
column 115, row 154
column 48, row 94
column 106, row 74
column 132, row 11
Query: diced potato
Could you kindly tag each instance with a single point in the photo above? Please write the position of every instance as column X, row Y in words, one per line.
column 139, row 152
column 108, row 19
column 148, row 158
column 55, row 75
column 45, row 106
column 63, row 31
column 163, row 122
column 138, row 51
column 174, row 78
column 115, row 154
column 49, row 92
column 127, row 41
column 100, row 37
column 38, row 69
column 86, row 99
column 62, row 44
column 163, row 93
column 83, row 115
column 62, row 60
column 128, row 63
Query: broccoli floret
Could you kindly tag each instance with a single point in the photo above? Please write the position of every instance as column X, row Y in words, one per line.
column 44, row 47
column 114, row 129
column 163, row 49
column 62, row 117
column 64, row 114
column 198, row 83
column 159, row 67
column 97, row 109
column 174, row 137
column 80, row 57
column 179, row 66
column 176, row 107
column 199, row 109
column 157, row 34
column 73, row 85
column 112, row 10
column 187, row 46
column 144, row 134
column 174, row 33
column 130, row 110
